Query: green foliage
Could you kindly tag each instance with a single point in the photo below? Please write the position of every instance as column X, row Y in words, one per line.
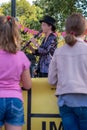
column 61, row 9
column 6, row 8
column 1, row 11
column 27, row 14
column 82, row 5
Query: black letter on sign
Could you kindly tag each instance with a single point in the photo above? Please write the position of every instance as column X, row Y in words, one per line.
column 53, row 126
column 43, row 125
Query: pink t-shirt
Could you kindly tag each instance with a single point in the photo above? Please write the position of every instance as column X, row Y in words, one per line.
column 11, row 68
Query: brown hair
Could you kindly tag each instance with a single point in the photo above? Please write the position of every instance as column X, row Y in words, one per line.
column 75, row 26
column 9, row 34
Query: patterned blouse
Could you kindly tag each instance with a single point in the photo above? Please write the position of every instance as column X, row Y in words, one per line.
column 46, row 51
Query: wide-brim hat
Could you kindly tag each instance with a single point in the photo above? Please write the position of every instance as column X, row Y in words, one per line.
column 49, row 20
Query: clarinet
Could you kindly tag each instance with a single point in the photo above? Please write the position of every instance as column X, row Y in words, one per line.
column 35, row 36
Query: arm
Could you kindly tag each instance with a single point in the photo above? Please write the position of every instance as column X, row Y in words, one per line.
column 25, row 75
column 34, row 51
column 51, row 45
column 31, row 48
column 26, row 79
column 52, row 74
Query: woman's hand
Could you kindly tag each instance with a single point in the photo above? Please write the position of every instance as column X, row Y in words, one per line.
column 31, row 48
column 33, row 40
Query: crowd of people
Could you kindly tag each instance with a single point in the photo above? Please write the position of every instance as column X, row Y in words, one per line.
column 65, row 67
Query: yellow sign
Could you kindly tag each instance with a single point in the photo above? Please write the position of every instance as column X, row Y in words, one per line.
column 42, row 106
column 46, row 123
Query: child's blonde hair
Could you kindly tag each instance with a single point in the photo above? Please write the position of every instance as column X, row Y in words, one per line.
column 9, row 34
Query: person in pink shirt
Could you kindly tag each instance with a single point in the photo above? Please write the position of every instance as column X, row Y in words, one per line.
column 14, row 68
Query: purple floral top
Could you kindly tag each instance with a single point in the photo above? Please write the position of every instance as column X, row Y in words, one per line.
column 46, row 51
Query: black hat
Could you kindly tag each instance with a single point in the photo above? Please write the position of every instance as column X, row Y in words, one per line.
column 49, row 20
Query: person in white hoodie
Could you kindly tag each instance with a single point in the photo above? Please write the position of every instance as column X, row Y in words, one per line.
column 68, row 71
